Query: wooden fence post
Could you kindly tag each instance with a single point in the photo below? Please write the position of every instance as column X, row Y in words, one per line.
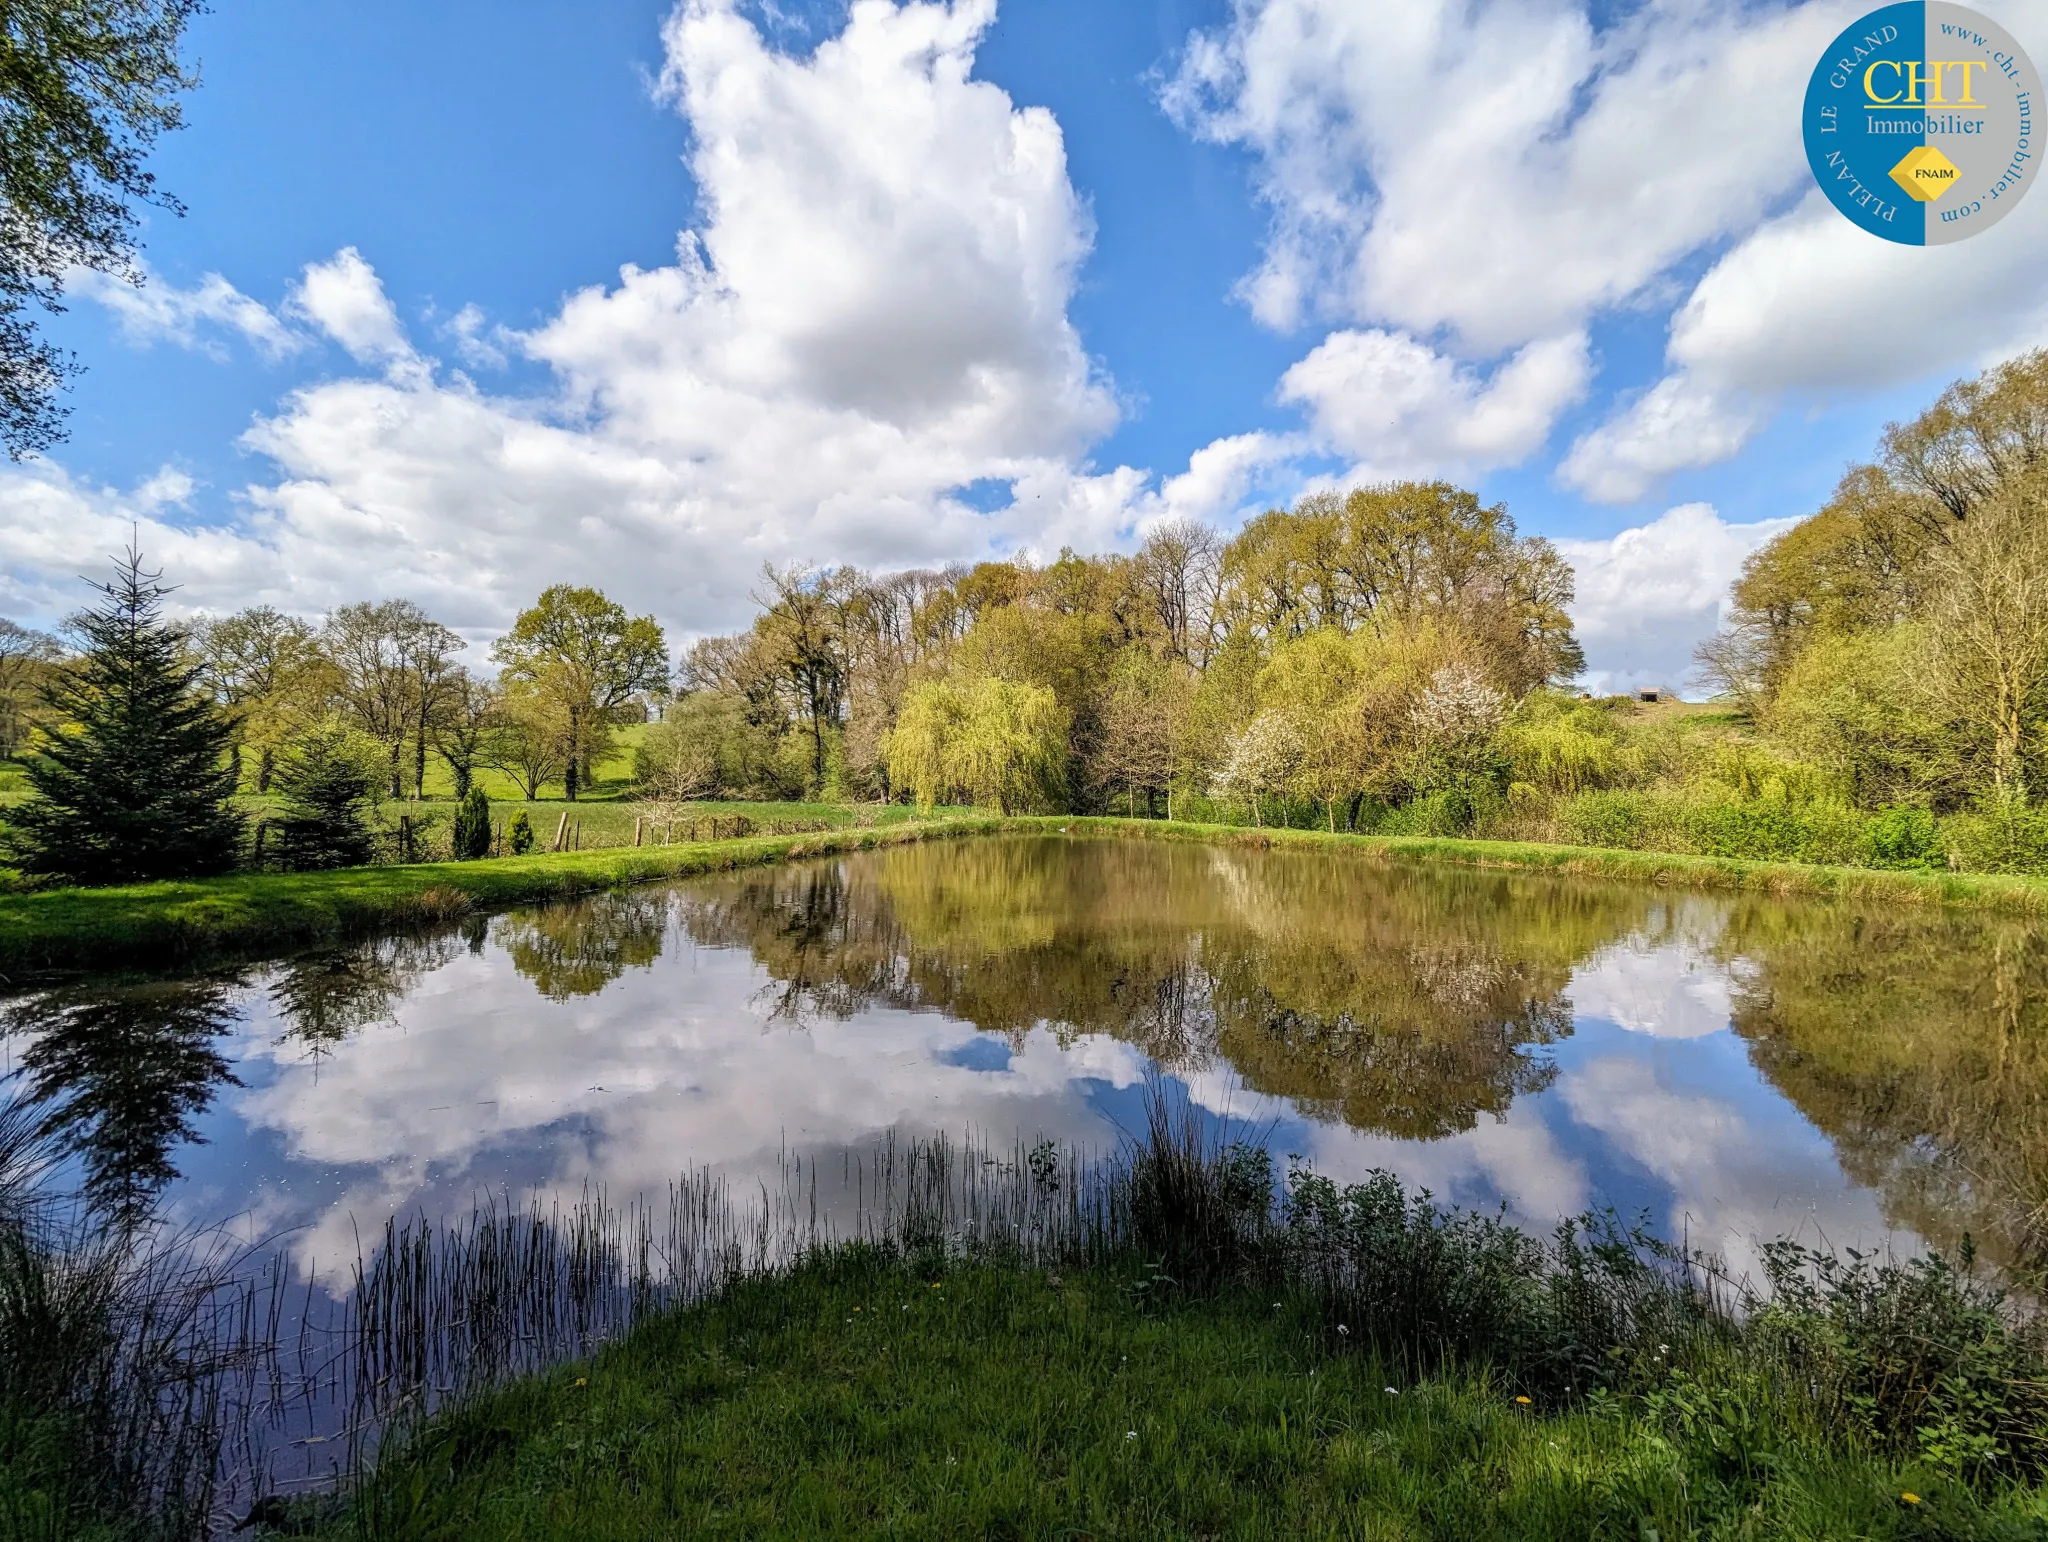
column 562, row 831
column 636, row 829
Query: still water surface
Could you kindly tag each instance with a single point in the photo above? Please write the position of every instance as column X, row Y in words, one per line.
column 1734, row 1068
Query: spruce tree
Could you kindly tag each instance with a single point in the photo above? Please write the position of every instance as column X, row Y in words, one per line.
column 328, row 791
column 138, row 785
column 473, row 825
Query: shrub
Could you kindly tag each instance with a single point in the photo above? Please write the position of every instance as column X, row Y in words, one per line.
column 1918, row 1357
column 1998, row 837
column 329, row 787
column 519, row 837
column 1774, row 830
column 1616, row 819
column 1903, row 838
column 472, row 838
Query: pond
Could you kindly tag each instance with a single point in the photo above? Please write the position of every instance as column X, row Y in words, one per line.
column 1733, row 1068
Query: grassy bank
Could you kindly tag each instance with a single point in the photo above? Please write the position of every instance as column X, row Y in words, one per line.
column 248, row 912
column 858, row 1397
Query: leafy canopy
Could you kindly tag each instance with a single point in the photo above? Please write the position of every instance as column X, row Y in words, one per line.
column 85, row 88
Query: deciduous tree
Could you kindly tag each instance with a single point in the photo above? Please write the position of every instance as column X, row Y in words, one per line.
column 584, row 654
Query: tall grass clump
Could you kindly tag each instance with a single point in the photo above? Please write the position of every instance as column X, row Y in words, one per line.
column 119, row 1350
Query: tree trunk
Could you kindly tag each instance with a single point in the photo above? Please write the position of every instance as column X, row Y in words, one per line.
column 397, row 774
column 266, row 763
column 569, row 780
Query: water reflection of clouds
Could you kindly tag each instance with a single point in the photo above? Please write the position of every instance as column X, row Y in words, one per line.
column 477, row 1082
column 1668, row 987
column 1737, row 1174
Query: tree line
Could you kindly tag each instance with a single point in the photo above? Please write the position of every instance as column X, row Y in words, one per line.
column 1359, row 646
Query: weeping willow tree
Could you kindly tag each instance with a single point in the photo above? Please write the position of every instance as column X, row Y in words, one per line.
column 999, row 743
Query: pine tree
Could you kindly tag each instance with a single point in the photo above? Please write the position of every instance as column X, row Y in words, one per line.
column 473, row 825
column 328, row 790
column 138, row 786
column 520, row 836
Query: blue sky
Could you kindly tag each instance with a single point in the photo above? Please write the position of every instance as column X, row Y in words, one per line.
column 972, row 280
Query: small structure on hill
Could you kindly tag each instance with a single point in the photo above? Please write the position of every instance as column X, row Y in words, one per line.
column 1648, row 693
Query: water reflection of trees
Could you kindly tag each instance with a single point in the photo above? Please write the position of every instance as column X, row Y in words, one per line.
column 122, row 1073
column 326, row 995
column 1918, row 1043
column 578, row 947
column 1401, row 1000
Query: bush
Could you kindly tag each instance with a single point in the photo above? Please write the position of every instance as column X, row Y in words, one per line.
column 1775, row 830
column 329, row 787
column 1918, row 1358
column 1904, row 838
column 1999, row 837
column 1614, row 819
column 472, row 838
column 519, row 837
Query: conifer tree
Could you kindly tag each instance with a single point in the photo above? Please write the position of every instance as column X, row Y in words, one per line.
column 473, row 825
column 329, row 791
column 138, row 785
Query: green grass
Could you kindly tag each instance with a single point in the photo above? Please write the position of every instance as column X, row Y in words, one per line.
column 245, row 912
column 856, row 1397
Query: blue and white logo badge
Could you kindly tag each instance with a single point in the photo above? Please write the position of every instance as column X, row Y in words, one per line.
column 1921, row 123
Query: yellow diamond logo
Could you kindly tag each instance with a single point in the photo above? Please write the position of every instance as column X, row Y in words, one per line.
column 1925, row 173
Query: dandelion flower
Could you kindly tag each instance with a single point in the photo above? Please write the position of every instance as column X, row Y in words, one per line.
column 1521, row 1400
column 1911, row 1499
column 582, row 1381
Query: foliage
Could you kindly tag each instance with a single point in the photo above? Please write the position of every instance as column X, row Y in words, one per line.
column 393, row 675
column 327, row 783
column 27, row 658
column 582, row 655
column 85, row 88
column 1903, row 838
column 519, row 837
column 1899, row 636
column 268, row 673
column 133, row 785
column 471, row 838
column 996, row 741
column 1562, row 746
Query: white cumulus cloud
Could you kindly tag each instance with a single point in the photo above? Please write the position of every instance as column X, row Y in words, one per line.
column 1400, row 408
column 156, row 310
column 872, row 315
column 1650, row 594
